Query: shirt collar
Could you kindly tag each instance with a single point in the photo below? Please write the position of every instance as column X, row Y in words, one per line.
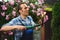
column 21, row 18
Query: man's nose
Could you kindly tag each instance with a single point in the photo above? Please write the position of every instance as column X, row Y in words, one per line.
column 27, row 8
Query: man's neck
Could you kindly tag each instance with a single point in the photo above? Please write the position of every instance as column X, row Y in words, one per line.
column 23, row 17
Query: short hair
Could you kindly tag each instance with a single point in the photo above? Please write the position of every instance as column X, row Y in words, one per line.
column 19, row 7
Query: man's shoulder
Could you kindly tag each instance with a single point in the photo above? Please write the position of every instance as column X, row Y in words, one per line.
column 29, row 17
column 15, row 18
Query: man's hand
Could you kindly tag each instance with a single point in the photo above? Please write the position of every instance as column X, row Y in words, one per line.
column 36, row 28
column 21, row 28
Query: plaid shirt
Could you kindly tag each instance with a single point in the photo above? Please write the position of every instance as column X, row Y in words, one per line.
column 19, row 21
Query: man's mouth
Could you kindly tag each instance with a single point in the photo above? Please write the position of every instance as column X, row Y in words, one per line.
column 26, row 11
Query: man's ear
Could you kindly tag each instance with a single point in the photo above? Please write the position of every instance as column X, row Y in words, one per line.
column 19, row 10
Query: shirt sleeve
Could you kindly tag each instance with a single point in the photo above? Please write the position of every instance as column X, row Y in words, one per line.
column 11, row 23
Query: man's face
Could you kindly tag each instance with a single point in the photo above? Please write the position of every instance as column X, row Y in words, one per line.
column 25, row 9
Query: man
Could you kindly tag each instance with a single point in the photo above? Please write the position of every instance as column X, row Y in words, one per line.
column 19, row 24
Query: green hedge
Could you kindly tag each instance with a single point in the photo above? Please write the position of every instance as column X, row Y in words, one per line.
column 55, row 23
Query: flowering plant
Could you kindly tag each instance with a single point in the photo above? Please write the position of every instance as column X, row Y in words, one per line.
column 38, row 13
column 9, row 11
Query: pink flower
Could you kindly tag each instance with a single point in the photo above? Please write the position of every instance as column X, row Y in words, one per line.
column 45, row 18
column 11, row 2
column 39, row 9
column 18, row 1
column 40, row 1
column 10, row 33
column 33, row 11
column 7, row 17
column 14, row 13
column 4, row 7
column 38, row 14
column 3, row 14
column 7, row 4
column 32, row 5
column 42, row 12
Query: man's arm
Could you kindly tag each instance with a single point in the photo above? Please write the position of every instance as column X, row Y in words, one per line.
column 7, row 28
column 12, row 25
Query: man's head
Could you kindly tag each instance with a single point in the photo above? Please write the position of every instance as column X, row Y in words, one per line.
column 23, row 9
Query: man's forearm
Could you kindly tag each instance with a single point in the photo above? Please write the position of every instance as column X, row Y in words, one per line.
column 7, row 28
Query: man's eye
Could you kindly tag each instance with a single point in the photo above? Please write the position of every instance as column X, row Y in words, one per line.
column 25, row 7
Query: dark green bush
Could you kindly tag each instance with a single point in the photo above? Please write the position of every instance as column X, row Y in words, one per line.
column 55, row 23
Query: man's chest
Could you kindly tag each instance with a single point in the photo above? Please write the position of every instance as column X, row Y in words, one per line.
column 25, row 22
